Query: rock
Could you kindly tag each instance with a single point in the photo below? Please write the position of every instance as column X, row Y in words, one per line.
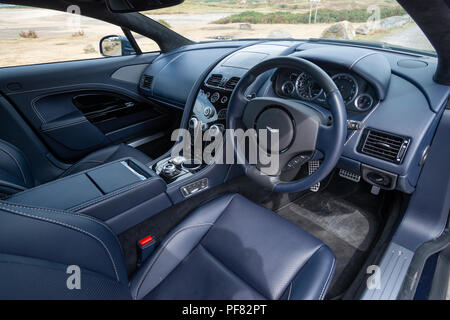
column 245, row 26
column 383, row 24
column 342, row 30
column 279, row 34
column 89, row 49
column 363, row 29
column 394, row 22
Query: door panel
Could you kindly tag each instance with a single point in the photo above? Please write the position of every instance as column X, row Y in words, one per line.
column 80, row 106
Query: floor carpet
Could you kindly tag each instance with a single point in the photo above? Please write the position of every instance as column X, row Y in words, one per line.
column 344, row 216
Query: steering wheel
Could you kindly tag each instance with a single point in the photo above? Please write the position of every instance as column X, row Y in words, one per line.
column 302, row 130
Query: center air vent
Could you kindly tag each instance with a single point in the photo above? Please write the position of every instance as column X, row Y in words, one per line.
column 231, row 84
column 383, row 145
column 147, row 82
column 214, row 80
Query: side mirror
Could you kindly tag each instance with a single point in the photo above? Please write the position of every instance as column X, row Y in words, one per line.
column 115, row 46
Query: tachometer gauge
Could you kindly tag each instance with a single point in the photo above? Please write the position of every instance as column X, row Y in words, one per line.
column 306, row 87
column 288, row 88
column 347, row 85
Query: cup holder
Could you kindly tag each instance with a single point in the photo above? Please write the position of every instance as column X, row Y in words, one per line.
column 190, row 165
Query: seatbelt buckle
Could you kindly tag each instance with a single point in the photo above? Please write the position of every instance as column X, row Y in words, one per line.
column 145, row 248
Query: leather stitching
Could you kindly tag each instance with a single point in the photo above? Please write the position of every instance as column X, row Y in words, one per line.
column 290, row 291
column 162, row 250
column 322, row 293
column 65, row 125
column 70, row 227
column 17, row 164
column 114, row 152
column 230, row 270
column 305, row 263
column 21, row 206
column 36, row 111
column 80, row 163
column 172, row 237
column 110, row 195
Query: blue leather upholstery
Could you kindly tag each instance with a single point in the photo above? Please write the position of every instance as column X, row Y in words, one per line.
column 35, row 242
column 16, row 175
column 229, row 248
column 106, row 155
column 42, row 279
column 110, row 193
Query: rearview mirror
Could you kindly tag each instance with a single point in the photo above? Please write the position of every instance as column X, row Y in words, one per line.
column 114, row 46
column 122, row 6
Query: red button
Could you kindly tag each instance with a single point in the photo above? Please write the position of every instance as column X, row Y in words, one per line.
column 145, row 240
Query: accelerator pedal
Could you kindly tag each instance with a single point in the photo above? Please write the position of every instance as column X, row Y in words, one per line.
column 313, row 165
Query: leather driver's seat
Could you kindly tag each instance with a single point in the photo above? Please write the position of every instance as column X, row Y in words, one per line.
column 229, row 248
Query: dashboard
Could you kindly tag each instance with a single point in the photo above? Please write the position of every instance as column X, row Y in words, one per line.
column 391, row 94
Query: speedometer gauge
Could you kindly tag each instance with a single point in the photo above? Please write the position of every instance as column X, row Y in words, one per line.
column 347, row 85
column 306, row 87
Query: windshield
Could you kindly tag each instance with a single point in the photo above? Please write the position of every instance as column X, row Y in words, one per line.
column 379, row 21
column 33, row 35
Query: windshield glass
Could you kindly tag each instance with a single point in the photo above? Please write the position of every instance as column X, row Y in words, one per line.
column 33, row 35
column 380, row 21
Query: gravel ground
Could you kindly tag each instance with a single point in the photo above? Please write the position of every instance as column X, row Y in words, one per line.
column 410, row 36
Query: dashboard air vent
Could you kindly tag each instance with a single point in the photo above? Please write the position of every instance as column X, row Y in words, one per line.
column 147, row 82
column 214, row 80
column 385, row 146
column 231, row 84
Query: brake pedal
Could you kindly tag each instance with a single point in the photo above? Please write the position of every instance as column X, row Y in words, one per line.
column 313, row 165
column 349, row 175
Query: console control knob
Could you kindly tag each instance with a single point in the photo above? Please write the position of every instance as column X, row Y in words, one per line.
column 193, row 123
column 215, row 130
column 208, row 112
column 178, row 161
column 215, row 97
column 169, row 169
column 354, row 125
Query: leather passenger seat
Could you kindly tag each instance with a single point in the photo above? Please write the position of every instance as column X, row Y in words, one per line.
column 228, row 248
column 16, row 174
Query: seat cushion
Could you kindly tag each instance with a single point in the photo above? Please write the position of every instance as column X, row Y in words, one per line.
column 232, row 248
column 106, row 155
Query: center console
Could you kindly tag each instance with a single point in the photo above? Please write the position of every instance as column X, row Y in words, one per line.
column 122, row 193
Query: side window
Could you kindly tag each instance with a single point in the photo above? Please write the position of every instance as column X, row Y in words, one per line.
column 33, row 36
column 146, row 44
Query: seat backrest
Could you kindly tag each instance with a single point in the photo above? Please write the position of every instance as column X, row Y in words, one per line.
column 15, row 172
column 52, row 254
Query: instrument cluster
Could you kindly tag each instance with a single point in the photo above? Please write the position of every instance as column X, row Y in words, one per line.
column 357, row 94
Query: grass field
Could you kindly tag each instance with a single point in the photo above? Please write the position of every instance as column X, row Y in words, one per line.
column 323, row 16
column 293, row 6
